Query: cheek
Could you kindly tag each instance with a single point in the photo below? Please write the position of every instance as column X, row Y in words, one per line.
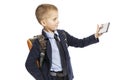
column 51, row 23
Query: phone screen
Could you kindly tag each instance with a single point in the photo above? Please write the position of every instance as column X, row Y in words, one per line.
column 104, row 28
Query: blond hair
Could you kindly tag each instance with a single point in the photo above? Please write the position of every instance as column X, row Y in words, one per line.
column 42, row 11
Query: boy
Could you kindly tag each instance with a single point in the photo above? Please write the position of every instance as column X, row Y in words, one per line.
column 56, row 64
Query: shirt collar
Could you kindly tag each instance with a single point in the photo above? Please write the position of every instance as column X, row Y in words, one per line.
column 51, row 35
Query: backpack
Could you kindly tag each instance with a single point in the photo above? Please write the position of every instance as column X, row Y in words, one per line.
column 42, row 42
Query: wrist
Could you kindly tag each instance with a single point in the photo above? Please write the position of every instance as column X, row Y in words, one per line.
column 96, row 35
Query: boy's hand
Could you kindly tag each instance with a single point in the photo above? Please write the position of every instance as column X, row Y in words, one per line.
column 97, row 34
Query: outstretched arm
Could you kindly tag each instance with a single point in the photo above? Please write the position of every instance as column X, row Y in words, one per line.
column 76, row 42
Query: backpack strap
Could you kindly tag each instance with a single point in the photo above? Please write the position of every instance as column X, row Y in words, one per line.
column 65, row 38
column 42, row 42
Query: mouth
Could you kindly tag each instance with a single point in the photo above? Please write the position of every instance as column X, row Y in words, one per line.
column 56, row 25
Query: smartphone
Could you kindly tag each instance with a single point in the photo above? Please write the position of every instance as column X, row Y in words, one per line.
column 105, row 27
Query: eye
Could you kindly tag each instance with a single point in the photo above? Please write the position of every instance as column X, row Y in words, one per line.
column 54, row 19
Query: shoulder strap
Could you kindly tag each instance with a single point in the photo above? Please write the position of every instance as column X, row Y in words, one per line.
column 65, row 38
column 42, row 42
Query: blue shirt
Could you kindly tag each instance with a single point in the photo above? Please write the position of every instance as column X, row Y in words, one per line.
column 56, row 61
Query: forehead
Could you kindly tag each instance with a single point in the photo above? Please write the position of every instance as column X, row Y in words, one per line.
column 52, row 13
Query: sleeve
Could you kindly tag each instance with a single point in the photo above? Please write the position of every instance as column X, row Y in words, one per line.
column 76, row 42
column 31, row 65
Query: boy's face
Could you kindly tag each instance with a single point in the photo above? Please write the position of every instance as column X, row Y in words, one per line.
column 50, row 23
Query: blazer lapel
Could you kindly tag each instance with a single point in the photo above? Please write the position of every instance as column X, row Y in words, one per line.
column 49, row 49
column 62, row 40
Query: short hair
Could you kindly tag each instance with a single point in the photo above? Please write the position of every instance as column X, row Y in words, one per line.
column 42, row 10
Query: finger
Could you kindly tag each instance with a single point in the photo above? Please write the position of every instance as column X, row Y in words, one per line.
column 100, row 27
column 97, row 28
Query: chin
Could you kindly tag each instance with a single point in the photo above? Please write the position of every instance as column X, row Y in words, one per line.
column 55, row 29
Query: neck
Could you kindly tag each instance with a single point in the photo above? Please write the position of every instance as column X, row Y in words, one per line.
column 50, row 31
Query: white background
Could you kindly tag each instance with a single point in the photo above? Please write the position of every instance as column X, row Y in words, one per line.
column 99, row 61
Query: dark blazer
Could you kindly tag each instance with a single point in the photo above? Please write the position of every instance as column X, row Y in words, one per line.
column 34, row 54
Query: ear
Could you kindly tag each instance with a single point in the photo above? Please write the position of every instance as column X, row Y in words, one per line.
column 43, row 22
